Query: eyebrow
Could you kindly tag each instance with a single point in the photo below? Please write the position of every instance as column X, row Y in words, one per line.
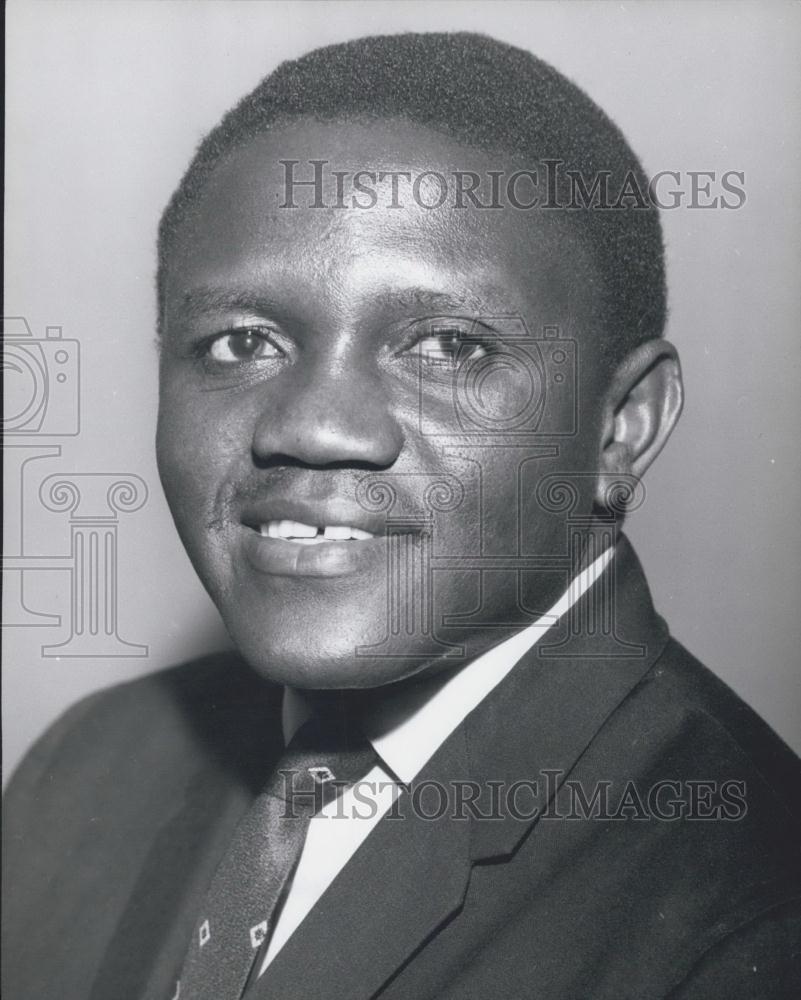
column 207, row 299
column 429, row 299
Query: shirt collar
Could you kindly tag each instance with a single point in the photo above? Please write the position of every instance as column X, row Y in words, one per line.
column 409, row 726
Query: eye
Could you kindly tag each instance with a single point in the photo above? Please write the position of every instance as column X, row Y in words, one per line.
column 243, row 345
column 448, row 346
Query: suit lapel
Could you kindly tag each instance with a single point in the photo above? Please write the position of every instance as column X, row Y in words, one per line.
column 537, row 724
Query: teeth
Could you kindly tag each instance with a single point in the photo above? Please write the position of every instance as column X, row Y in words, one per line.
column 309, row 534
column 296, row 529
column 336, row 532
column 288, row 529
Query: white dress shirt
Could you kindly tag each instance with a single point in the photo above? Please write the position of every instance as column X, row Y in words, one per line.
column 405, row 731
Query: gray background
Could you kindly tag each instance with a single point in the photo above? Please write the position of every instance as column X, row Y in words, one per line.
column 106, row 102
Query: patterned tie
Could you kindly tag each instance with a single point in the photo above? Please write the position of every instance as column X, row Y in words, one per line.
column 242, row 901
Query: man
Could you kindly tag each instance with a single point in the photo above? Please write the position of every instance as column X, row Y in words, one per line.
column 411, row 298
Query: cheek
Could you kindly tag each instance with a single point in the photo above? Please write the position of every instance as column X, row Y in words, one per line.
column 197, row 443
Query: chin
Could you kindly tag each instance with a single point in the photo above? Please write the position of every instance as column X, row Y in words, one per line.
column 330, row 674
column 289, row 659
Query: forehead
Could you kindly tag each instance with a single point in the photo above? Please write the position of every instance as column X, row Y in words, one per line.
column 292, row 211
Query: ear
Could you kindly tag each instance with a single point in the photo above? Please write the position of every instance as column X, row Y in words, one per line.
column 640, row 410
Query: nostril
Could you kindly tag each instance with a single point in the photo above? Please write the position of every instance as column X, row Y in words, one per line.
column 327, row 430
column 277, row 460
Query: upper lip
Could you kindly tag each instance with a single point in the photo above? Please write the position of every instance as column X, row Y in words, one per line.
column 322, row 512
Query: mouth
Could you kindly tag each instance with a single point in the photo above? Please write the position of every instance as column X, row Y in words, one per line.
column 309, row 540
column 301, row 533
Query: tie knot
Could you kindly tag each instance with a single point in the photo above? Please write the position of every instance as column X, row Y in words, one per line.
column 323, row 758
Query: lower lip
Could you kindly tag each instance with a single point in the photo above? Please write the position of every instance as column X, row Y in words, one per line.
column 280, row 557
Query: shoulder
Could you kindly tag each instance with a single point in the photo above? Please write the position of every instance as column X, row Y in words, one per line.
column 166, row 722
column 683, row 811
column 91, row 806
column 714, row 795
column 683, row 704
column 682, row 725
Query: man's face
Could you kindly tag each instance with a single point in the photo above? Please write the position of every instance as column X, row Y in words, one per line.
column 348, row 413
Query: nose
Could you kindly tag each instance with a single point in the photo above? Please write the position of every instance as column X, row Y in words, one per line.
column 320, row 417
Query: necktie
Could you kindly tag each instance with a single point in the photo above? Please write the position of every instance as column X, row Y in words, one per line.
column 243, row 899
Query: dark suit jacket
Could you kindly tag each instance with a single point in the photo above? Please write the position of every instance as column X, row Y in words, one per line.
column 119, row 814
